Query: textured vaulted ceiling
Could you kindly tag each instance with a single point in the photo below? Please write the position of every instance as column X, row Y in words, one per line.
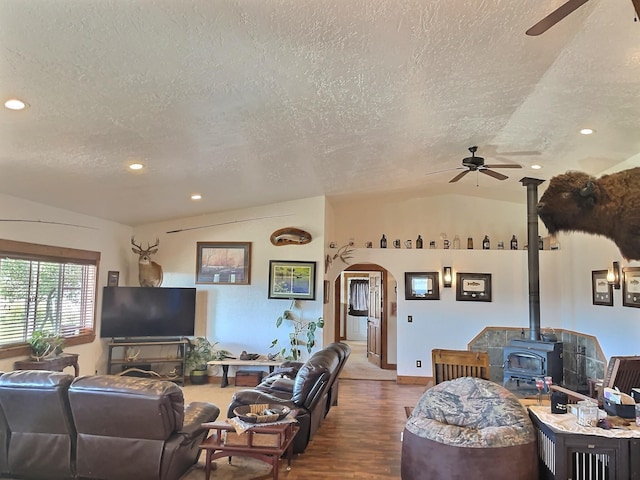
column 259, row 101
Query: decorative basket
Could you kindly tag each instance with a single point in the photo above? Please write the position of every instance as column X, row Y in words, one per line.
column 261, row 413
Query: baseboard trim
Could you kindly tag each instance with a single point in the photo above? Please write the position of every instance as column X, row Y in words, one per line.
column 406, row 380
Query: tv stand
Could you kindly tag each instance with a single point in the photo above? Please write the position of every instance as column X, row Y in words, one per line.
column 162, row 358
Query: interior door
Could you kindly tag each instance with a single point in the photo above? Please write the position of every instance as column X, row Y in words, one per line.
column 374, row 321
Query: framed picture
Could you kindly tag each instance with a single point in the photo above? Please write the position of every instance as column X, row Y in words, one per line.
column 421, row 286
column 601, row 289
column 631, row 286
column 327, row 290
column 292, row 280
column 473, row 287
column 113, row 278
column 223, row 263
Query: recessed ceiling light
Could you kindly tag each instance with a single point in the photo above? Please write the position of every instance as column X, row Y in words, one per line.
column 136, row 166
column 196, row 196
column 586, row 131
column 535, row 166
column 15, row 104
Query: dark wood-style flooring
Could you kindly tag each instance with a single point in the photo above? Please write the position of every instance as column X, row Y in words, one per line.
column 360, row 438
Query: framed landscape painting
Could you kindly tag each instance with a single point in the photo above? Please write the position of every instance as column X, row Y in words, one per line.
column 292, row 280
column 223, row 263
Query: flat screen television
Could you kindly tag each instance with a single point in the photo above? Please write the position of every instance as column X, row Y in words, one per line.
column 134, row 312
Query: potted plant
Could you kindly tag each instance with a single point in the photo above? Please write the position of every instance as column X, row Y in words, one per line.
column 304, row 332
column 200, row 351
column 43, row 344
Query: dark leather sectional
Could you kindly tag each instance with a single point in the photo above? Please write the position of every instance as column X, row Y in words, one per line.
column 53, row 425
column 310, row 387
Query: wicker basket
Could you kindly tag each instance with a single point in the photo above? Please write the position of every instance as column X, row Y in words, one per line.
column 255, row 413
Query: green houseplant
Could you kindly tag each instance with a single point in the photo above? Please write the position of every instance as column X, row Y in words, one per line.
column 199, row 352
column 304, row 331
column 43, row 344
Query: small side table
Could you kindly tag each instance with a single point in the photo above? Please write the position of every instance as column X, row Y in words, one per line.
column 260, row 362
column 216, row 447
column 55, row 364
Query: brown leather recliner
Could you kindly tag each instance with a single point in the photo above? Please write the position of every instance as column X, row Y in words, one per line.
column 135, row 428
column 308, row 392
column 42, row 438
column 104, row 427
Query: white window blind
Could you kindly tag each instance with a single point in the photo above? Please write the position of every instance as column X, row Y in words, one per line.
column 45, row 293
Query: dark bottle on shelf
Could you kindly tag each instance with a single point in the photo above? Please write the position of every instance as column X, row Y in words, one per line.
column 470, row 243
column 514, row 243
column 419, row 242
column 540, row 243
column 383, row 242
column 486, row 244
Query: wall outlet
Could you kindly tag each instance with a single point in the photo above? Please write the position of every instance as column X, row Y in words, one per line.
column 419, row 363
column 410, row 318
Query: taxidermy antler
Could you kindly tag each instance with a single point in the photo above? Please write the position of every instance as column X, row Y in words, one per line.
column 344, row 253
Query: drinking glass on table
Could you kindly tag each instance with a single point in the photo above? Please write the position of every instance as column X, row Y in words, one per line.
column 548, row 381
column 539, row 386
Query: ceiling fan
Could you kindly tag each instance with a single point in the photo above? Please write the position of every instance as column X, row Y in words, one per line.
column 562, row 11
column 476, row 164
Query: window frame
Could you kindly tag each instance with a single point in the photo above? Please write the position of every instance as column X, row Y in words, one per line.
column 44, row 253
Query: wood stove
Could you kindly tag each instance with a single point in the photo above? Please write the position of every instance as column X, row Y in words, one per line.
column 526, row 360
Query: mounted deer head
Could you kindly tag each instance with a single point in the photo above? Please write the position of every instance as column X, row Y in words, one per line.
column 149, row 273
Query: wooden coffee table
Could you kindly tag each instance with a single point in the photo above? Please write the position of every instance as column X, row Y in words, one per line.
column 280, row 438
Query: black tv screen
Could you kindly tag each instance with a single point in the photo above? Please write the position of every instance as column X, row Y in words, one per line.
column 147, row 312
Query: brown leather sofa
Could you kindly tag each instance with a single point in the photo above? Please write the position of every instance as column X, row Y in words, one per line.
column 102, row 427
column 310, row 387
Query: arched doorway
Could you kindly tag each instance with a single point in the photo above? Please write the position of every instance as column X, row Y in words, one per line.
column 378, row 327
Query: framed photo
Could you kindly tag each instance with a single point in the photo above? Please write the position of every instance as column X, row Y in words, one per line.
column 422, row 286
column 601, row 289
column 223, row 263
column 631, row 286
column 327, row 291
column 292, row 280
column 473, row 287
column 113, row 278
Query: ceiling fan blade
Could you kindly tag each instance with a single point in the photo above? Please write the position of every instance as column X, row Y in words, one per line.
column 446, row 170
column 528, row 153
column 459, row 176
column 493, row 174
column 506, row 165
column 554, row 17
column 636, row 5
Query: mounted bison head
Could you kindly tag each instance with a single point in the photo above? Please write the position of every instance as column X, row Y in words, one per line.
column 607, row 206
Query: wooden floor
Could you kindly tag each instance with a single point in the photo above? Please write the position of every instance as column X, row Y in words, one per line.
column 360, row 438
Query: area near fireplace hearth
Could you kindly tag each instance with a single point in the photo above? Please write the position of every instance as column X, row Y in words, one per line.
column 582, row 357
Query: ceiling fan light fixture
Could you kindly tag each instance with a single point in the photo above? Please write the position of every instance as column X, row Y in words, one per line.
column 535, row 166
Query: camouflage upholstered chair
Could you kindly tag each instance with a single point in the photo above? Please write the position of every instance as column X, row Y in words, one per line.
column 469, row 428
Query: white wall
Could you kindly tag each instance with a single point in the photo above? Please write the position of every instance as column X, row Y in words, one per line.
column 617, row 328
column 241, row 317
column 109, row 238
column 405, row 216
column 565, row 275
column 447, row 323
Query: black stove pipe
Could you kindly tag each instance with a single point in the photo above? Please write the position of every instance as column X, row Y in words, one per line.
column 533, row 256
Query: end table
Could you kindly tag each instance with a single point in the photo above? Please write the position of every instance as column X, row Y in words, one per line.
column 55, row 364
